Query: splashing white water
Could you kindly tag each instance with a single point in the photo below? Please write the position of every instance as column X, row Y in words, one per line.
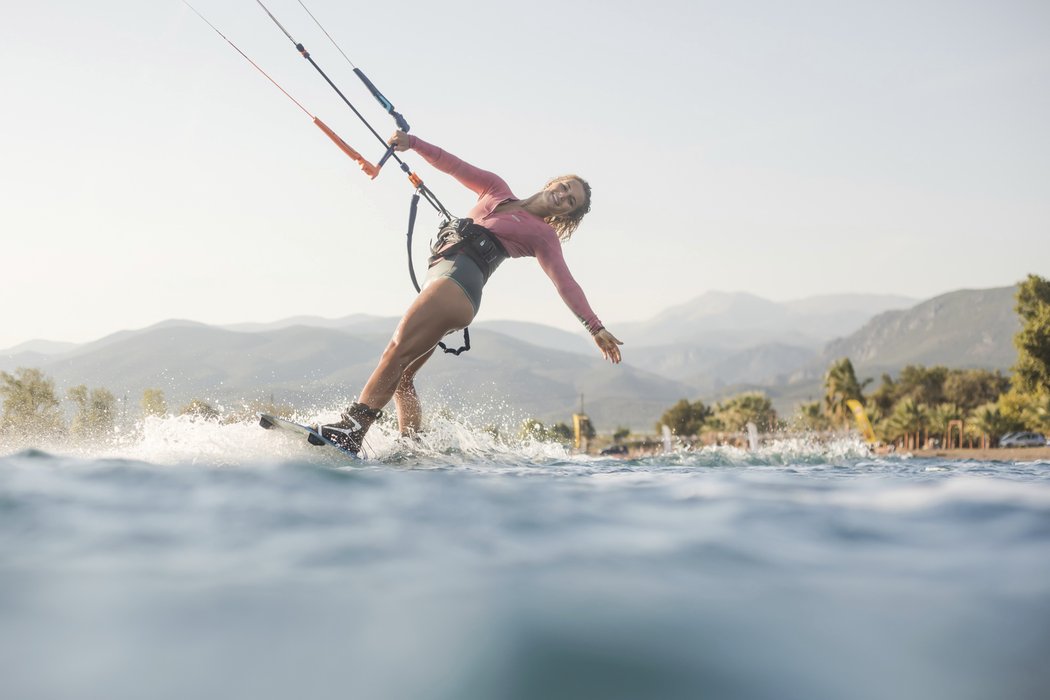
column 448, row 440
column 445, row 441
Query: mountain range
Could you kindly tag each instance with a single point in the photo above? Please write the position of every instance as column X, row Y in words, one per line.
column 969, row 328
column 712, row 346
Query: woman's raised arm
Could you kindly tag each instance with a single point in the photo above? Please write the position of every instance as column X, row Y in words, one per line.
column 479, row 181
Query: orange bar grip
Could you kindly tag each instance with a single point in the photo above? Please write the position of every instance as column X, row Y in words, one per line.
column 369, row 169
column 415, row 179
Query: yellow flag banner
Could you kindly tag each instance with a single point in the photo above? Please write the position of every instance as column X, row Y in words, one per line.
column 863, row 424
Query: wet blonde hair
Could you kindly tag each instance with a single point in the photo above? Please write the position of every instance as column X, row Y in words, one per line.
column 565, row 224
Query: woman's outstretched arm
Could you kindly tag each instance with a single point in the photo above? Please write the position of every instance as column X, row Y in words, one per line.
column 479, row 181
column 552, row 261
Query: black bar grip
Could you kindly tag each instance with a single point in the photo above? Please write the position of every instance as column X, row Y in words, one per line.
column 385, row 158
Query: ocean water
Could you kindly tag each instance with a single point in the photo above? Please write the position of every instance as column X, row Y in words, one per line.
column 199, row 560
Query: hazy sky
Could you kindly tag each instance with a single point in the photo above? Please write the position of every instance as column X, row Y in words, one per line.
column 783, row 149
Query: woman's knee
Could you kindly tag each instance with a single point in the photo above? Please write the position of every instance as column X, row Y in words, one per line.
column 400, row 354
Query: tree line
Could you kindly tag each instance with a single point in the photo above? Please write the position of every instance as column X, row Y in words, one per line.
column 920, row 401
column 688, row 418
column 34, row 410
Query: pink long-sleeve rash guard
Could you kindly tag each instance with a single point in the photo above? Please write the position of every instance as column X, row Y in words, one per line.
column 521, row 233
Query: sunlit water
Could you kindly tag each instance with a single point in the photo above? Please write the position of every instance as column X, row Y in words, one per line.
column 199, row 560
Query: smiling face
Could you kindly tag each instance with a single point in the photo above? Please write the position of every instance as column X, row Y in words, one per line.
column 564, row 196
column 563, row 203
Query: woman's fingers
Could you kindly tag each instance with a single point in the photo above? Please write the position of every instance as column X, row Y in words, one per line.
column 399, row 141
column 609, row 345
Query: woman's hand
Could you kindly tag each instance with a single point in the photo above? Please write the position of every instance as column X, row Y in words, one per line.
column 400, row 141
column 609, row 345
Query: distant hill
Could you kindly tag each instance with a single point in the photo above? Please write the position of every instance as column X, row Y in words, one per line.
column 740, row 320
column 722, row 339
column 967, row 328
column 716, row 319
column 833, row 316
column 541, row 335
column 362, row 322
column 40, row 347
column 679, row 361
column 708, row 369
column 768, row 364
column 323, row 368
column 548, row 384
column 191, row 361
column 856, row 304
column 712, row 347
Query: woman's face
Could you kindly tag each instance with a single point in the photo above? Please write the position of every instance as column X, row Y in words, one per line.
column 563, row 196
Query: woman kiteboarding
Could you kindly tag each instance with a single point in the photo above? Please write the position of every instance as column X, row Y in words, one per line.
column 466, row 252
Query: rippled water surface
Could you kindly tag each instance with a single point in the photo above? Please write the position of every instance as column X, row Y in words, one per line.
column 223, row 562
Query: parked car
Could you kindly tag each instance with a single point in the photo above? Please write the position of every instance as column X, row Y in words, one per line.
column 1022, row 440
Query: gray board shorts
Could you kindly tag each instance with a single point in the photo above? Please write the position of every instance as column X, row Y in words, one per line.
column 462, row 270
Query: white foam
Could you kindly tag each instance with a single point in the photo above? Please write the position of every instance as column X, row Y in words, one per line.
column 193, row 440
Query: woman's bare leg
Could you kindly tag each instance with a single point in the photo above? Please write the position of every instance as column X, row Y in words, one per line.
column 440, row 308
column 409, row 410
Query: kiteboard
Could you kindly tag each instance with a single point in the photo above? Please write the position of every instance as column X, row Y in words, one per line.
column 313, row 437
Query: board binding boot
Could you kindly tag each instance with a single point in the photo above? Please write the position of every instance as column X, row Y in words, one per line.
column 349, row 433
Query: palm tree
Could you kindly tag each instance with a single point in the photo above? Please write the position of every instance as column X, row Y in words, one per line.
column 909, row 419
column 990, row 419
column 841, row 385
column 973, row 433
column 940, row 415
